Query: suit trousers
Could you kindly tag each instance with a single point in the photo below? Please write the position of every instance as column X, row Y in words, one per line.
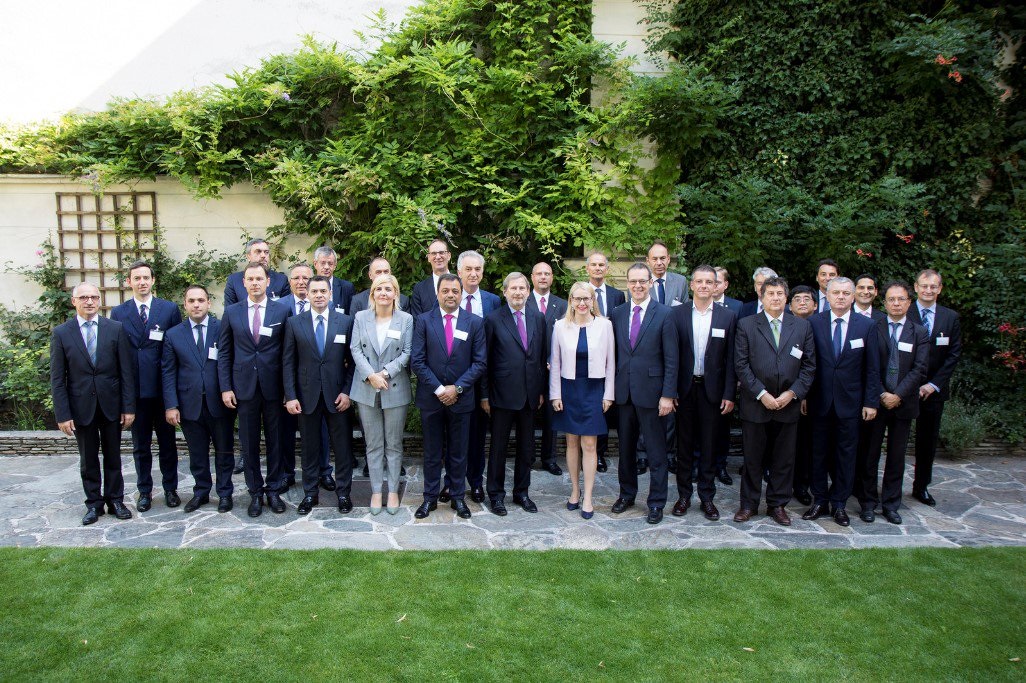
column 768, row 446
column 835, row 444
column 898, row 431
column 288, row 426
column 669, row 433
column 549, row 436
column 199, row 434
column 612, row 422
column 99, row 435
column 340, row 435
column 803, row 455
column 149, row 418
column 383, row 434
column 721, row 444
column 258, row 415
column 503, row 421
column 927, row 435
column 445, row 439
column 635, row 422
column 478, row 420
column 697, row 427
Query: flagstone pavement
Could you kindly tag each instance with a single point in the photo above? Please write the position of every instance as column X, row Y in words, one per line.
column 979, row 503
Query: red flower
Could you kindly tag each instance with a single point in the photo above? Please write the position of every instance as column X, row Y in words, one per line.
column 956, row 75
column 907, row 239
column 1008, row 328
column 863, row 253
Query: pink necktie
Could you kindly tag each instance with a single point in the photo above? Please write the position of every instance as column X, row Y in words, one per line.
column 522, row 329
column 448, row 335
column 470, row 299
column 635, row 326
column 256, row 324
column 543, row 306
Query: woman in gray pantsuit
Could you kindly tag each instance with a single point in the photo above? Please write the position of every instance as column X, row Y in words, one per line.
column 382, row 338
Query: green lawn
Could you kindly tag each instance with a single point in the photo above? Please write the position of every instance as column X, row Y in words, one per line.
column 74, row 614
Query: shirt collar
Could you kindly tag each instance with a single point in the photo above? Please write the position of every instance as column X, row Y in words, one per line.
column 455, row 314
column 770, row 318
column 846, row 317
column 82, row 321
column 932, row 308
column 206, row 319
column 644, row 304
column 900, row 322
column 147, row 302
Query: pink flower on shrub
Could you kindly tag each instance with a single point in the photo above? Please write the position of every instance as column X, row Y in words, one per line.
column 907, row 239
column 863, row 253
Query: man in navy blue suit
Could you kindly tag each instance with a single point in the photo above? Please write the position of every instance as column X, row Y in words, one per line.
column 192, row 399
column 552, row 308
column 257, row 250
column 647, row 360
column 512, row 389
column 845, row 392
column 607, row 298
column 342, row 291
column 720, row 295
column 146, row 319
column 425, row 292
column 721, row 445
column 92, row 380
column 318, row 375
column 298, row 302
column 448, row 357
column 249, row 369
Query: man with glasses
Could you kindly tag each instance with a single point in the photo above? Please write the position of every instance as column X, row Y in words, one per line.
column 342, row 291
column 607, row 298
column 425, row 292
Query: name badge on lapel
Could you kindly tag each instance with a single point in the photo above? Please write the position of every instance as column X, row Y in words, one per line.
column 393, row 334
column 905, row 346
column 340, row 339
column 339, row 309
column 943, row 341
column 212, row 353
column 797, row 353
column 156, row 334
column 857, row 343
column 719, row 333
column 266, row 331
column 459, row 334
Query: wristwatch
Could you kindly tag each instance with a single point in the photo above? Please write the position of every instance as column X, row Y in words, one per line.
column 459, row 390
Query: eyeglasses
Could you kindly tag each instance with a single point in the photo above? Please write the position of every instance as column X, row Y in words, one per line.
column 636, row 283
column 437, row 253
column 896, row 299
column 581, row 299
column 90, row 297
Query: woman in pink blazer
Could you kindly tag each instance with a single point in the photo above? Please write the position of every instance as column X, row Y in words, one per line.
column 581, row 378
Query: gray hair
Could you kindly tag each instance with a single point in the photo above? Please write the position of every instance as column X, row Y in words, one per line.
column 74, row 291
column 469, row 254
column 515, row 275
column 255, row 240
column 764, row 271
column 324, row 252
column 840, row 281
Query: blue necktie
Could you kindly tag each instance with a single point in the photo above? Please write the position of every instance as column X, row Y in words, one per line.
column 91, row 339
column 319, row 333
column 662, row 291
column 891, row 381
column 199, row 339
column 838, row 340
column 927, row 320
column 142, row 314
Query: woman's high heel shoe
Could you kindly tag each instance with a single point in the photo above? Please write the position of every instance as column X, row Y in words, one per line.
column 572, row 506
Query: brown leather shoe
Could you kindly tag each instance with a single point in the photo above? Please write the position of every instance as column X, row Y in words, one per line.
column 681, row 507
column 743, row 515
column 779, row 515
column 710, row 511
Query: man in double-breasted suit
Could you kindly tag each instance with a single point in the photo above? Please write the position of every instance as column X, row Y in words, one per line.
column 257, row 250
column 145, row 320
column 553, row 308
column 775, row 360
column 903, row 364
column 317, row 369
column 448, row 357
column 425, row 292
column 647, row 360
column 249, row 369
column 846, row 391
column 192, row 399
column 945, row 330
column 92, row 380
column 706, row 385
column 512, row 389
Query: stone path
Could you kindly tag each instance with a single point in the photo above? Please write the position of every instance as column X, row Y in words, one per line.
column 982, row 502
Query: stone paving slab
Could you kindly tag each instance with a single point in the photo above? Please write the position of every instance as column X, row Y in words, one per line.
column 980, row 503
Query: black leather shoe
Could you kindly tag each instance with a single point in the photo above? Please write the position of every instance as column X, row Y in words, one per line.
column 892, row 516
column 366, row 469
column 526, row 503
column 145, row 502
column 642, row 465
column 867, row 515
column 443, row 496
column 345, row 505
column 275, row 502
column 841, row 517
column 925, row 498
column 655, row 515
column 238, row 466
column 680, row 508
column 196, row 502
column 172, row 499
column 462, row 511
column 816, row 511
column 287, row 482
column 725, row 478
column 120, row 511
column 225, row 504
column 499, row 508
column 256, row 506
column 710, row 511
column 477, row 494
column 603, row 466
column 91, row 516
column 327, row 483
column 552, row 468
column 671, row 464
column 402, row 470
column 621, row 504
column 306, row 505
column 425, row 509
column 803, row 497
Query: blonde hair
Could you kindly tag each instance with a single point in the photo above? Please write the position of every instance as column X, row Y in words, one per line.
column 384, row 279
column 585, row 288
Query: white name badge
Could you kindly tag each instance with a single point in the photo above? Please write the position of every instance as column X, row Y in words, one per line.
column 459, row 334
column 719, row 333
column 796, row 352
column 339, row 309
column 212, row 353
column 393, row 334
column 266, row 331
column 675, row 303
column 857, row 343
column 157, row 335
column 340, row 339
column 943, row 341
column 905, row 346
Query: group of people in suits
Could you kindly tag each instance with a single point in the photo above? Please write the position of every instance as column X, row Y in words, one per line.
column 820, row 377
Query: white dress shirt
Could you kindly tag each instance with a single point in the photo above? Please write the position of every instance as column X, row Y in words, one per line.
column 701, row 328
column 475, row 305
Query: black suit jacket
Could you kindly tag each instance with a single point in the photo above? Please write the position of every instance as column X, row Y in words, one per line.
column 913, row 359
column 761, row 365
column 162, row 316
column 555, row 308
column 614, row 297
column 720, row 377
column 235, row 289
column 647, row 372
column 515, row 377
column 945, row 346
column 306, row 375
column 342, row 292
column 78, row 385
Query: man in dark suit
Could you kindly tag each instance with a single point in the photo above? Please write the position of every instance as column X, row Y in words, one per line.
column 318, row 371
column 846, row 392
column 425, row 292
column 826, row 270
column 342, row 291
column 759, row 278
column 298, row 302
column 721, row 446
column 904, row 361
column 647, row 360
column 945, row 330
column 257, row 250
column 378, row 266
column 249, row 370
column 706, row 384
column 803, row 305
column 668, row 288
column 720, row 295
column 192, row 399
column 553, row 308
column 775, row 360
column 607, row 298
column 865, row 297
column 145, row 320
column 448, row 358
column 512, row 388
column 92, row 380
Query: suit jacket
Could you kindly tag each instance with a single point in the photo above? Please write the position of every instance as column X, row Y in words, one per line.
column 162, row 316
column 676, row 287
column 515, row 377
column 342, row 292
column 306, row 375
column 424, row 297
column 761, row 365
column 189, row 377
column 361, row 302
column 720, row 377
column 734, row 305
column 944, row 355
column 394, row 357
column 77, row 385
column 752, row 307
column 913, row 361
column 647, row 372
column 435, row 368
column 489, row 301
column 235, row 289
column 555, row 308
column 290, row 303
column 244, row 366
column 614, row 297
column 849, row 382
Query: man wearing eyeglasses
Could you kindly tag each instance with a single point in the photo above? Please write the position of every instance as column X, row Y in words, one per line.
column 425, row 292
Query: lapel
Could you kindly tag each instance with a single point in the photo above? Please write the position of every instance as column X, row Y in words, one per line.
column 79, row 342
column 190, row 337
column 509, row 322
column 767, row 333
column 689, row 330
column 787, row 326
column 438, row 327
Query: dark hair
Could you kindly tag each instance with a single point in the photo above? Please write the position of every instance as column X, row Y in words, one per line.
column 196, row 286
column 446, row 278
column 320, row 278
column 705, row 268
column 640, row 266
column 801, row 289
column 867, row 276
column 135, row 265
column 897, row 283
column 827, row 262
column 256, row 264
column 776, row 281
column 255, row 240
